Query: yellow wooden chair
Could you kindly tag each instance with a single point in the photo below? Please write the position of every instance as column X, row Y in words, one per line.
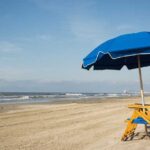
column 141, row 115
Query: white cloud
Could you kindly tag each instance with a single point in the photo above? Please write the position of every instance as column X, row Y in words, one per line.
column 88, row 29
column 44, row 37
column 37, row 37
column 60, row 6
column 66, row 86
column 55, row 6
column 8, row 47
column 78, row 21
column 17, row 73
column 124, row 27
column 127, row 28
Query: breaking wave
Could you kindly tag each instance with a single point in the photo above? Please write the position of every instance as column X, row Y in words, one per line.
column 48, row 97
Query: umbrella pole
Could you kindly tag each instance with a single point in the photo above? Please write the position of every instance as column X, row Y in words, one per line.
column 142, row 89
column 141, row 81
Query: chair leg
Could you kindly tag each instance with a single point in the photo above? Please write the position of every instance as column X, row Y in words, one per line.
column 130, row 129
column 129, row 132
column 146, row 117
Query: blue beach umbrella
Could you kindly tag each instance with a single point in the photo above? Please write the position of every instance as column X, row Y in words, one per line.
column 130, row 50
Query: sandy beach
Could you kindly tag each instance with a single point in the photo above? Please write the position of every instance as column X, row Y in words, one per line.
column 83, row 125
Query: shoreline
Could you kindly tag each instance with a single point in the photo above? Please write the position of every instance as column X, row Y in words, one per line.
column 64, row 100
column 4, row 107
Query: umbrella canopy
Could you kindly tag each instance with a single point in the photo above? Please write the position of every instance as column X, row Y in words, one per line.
column 120, row 51
column 131, row 50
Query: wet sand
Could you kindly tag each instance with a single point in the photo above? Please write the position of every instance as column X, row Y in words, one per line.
column 82, row 125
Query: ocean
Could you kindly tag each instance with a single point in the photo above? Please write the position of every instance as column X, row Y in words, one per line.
column 40, row 97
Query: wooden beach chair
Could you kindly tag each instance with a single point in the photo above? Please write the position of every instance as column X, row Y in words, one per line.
column 141, row 115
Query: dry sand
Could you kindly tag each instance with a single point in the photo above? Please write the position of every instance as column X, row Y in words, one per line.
column 84, row 125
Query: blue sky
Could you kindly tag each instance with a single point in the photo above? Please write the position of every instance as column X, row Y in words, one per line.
column 44, row 41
